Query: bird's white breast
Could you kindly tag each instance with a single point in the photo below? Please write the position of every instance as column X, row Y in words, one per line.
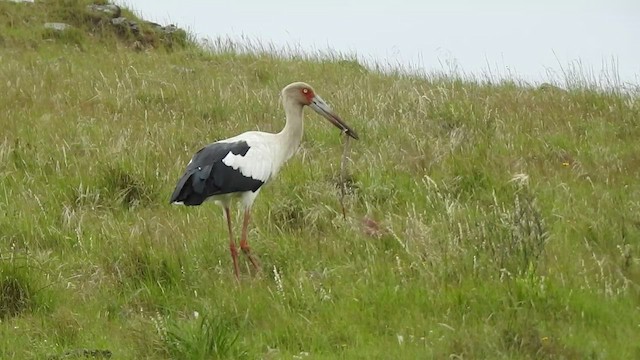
column 261, row 161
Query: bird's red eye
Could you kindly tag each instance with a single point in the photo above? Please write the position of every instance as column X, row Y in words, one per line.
column 308, row 94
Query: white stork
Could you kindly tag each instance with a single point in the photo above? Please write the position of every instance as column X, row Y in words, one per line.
column 238, row 167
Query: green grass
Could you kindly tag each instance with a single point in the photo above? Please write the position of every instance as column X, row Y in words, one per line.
column 508, row 216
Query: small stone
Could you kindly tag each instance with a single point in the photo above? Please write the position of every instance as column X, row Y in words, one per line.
column 111, row 10
column 119, row 21
column 169, row 29
column 551, row 88
column 57, row 26
column 126, row 24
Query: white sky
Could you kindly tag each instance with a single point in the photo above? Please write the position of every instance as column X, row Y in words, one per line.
column 521, row 38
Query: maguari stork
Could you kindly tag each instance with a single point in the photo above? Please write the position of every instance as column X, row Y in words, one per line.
column 238, row 167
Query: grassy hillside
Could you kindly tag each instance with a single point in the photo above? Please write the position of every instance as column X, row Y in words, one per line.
column 507, row 218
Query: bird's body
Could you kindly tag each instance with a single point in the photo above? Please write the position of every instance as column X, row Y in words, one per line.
column 241, row 165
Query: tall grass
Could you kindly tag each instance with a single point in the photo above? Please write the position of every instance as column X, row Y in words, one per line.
column 483, row 220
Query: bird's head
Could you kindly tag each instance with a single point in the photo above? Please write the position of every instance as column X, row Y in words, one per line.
column 303, row 94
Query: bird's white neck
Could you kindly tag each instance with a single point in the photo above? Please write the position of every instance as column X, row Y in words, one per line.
column 291, row 135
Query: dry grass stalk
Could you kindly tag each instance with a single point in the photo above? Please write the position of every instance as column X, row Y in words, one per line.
column 343, row 175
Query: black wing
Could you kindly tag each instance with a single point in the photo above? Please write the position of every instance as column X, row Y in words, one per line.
column 207, row 175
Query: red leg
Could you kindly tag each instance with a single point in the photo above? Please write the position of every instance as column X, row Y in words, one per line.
column 232, row 244
column 244, row 245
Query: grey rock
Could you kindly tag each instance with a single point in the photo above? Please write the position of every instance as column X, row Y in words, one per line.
column 119, row 21
column 169, row 29
column 126, row 24
column 111, row 10
column 57, row 26
column 551, row 87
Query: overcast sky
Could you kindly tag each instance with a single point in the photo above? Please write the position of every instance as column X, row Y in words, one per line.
column 522, row 38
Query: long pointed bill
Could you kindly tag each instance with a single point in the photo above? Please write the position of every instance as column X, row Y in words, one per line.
column 323, row 109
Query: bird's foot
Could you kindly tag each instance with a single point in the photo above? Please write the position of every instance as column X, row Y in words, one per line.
column 234, row 256
column 254, row 262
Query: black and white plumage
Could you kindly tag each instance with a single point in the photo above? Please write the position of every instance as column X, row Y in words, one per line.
column 241, row 165
column 211, row 172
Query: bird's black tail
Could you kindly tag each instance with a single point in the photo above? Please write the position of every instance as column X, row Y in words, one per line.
column 184, row 192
